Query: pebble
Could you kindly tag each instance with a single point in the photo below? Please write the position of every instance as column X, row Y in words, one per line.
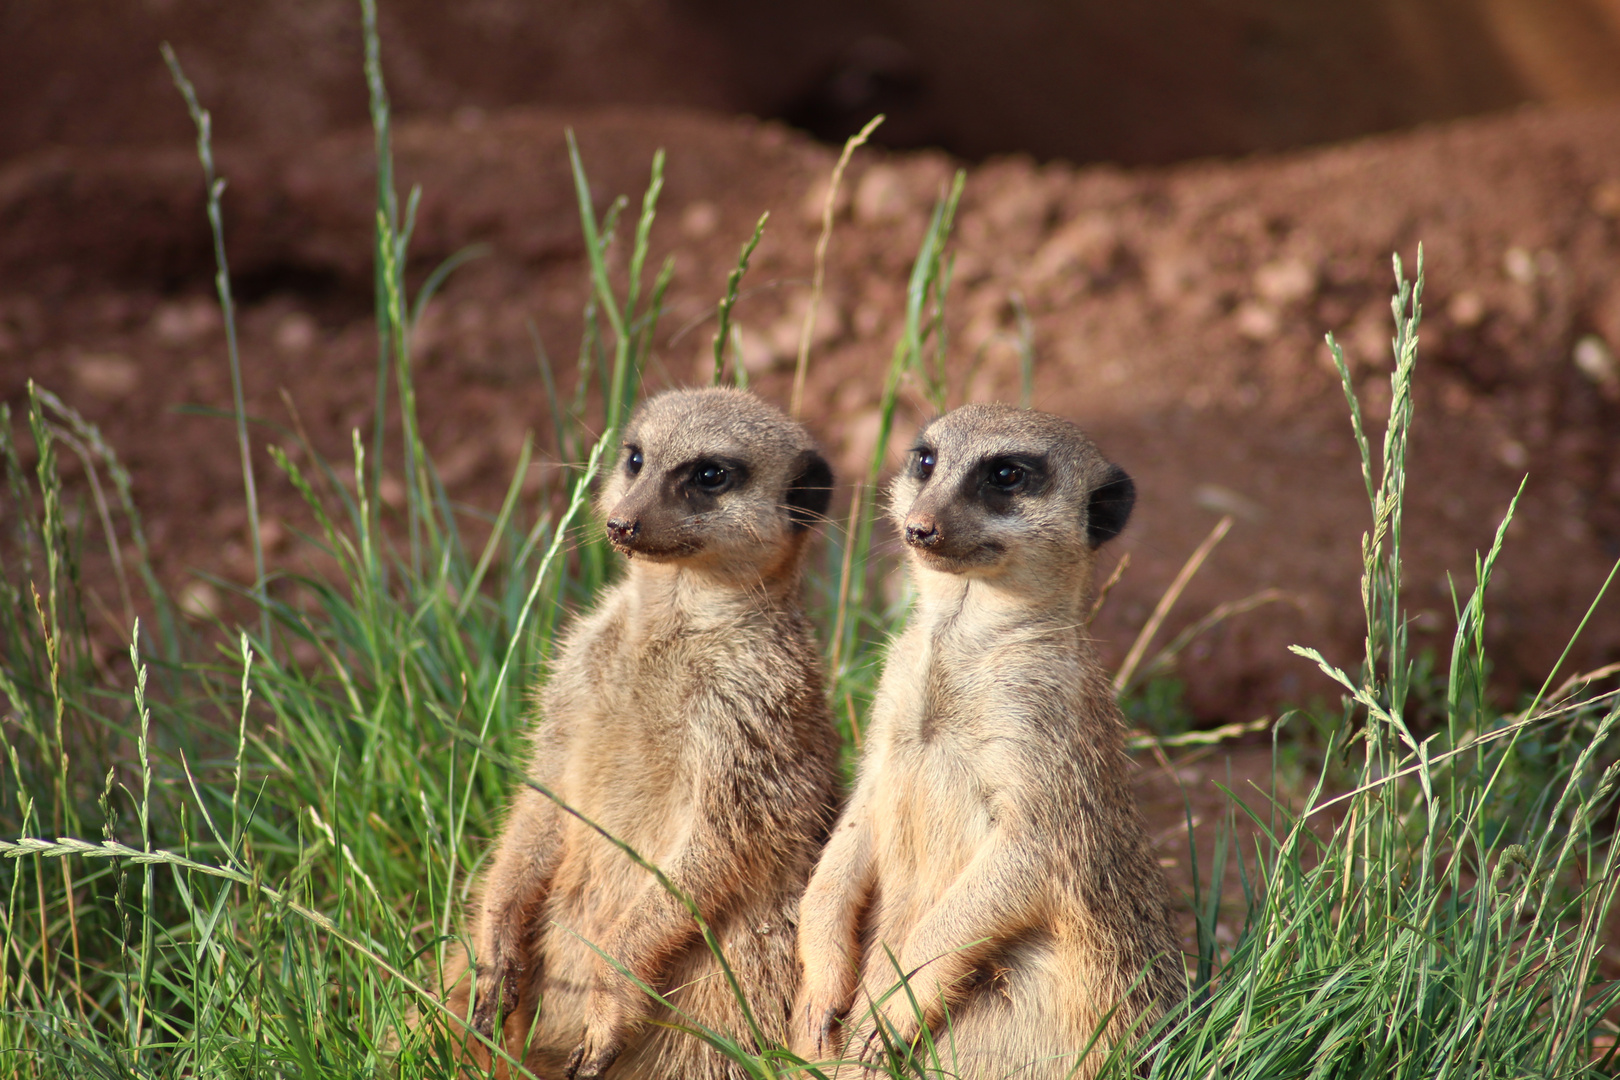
column 1595, row 360
column 1519, row 265
column 1087, row 243
column 183, row 322
column 1257, row 322
column 1606, row 199
column 199, row 599
column 1223, row 500
column 1466, row 309
column 1285, row 281
column 109, row 376
column 699, row 220
column 1511, row 452
column 881, row 196
column 295, row 334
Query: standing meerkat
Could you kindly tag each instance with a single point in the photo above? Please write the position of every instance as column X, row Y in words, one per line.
column 686, row 715
column 992, row 845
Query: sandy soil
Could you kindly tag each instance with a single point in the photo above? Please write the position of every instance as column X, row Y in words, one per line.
column 1177, row 315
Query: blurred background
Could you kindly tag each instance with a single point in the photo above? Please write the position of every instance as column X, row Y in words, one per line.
column 1150, row 82
column 1168, row 203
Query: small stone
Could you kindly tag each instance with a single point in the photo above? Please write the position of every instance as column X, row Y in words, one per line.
column 1223, row 500
column 1594, row 359
column 106, row 375
column 183, row 322
column 1369, row 337
column 391, row 490
column 1466, row 309
column 199, row 599
column 881, row 196
column 1519, row 265
column 1088, row 243
column 272, row 533
column 295, row 334
column 1285, row 281
column 1606, row 199
column 1256, row 322
column 699, row 220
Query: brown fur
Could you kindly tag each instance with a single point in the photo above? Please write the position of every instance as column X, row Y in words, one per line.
column 993, row 843
column 686, row 716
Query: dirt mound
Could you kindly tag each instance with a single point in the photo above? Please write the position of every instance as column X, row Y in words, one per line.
column 1176, row 313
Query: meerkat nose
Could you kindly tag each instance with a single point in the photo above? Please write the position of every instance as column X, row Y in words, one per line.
column 922, row 532
column 622, row 532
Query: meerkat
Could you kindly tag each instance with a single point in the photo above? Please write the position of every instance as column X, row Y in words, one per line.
column 687, row 717
column 992, row 851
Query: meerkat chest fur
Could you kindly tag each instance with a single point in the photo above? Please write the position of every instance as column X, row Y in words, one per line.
column 630, row 698
column 979, row 710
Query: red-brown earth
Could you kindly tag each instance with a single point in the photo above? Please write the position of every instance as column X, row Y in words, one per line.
column 1177, row 314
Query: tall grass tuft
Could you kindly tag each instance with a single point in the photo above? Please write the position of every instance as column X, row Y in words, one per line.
column 222, row 861
column 1441, row 909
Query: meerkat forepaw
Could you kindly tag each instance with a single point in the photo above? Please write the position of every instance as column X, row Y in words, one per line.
column 592, row 1057
column 612, row 1014
column 890, row 1034
column 498, row 994
column 824, row 1029
column 815, row 1035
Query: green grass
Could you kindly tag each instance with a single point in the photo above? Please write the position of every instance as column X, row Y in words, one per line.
column 221, row 862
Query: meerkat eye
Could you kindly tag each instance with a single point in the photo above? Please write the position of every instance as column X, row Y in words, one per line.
column 1006, row 476
column 711, row 477
column 632, row 464
column 925, row 460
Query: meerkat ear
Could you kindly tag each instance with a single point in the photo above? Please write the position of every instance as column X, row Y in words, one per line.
column 1110, row 507
column 809, row 491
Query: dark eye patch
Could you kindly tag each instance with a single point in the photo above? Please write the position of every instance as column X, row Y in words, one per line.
column 1002, row 478
column 923, row 460
column 712, row 476
column 1006, row 476
column 633, row 460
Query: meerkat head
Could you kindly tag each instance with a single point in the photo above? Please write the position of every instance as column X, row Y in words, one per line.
column 990, row 490
column 714, row 478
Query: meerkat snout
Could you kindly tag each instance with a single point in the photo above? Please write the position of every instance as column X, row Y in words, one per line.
column 921, row 531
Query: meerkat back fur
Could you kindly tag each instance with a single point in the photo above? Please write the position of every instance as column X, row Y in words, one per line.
column 992, row 845
column 685, row 715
